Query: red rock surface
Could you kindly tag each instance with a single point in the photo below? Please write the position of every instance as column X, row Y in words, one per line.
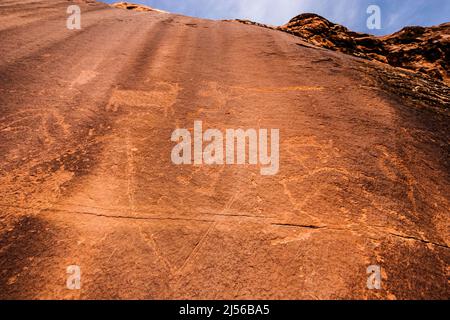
column 86, row 177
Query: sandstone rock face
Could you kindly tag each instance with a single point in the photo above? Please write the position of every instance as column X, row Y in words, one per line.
column 425, row 50
column 87, row 179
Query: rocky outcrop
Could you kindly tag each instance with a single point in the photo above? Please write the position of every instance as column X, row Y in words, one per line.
column 420, row 49
column 425, row 50
column 135, row 7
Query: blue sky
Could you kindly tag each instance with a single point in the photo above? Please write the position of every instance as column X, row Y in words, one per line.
column 395, row 14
